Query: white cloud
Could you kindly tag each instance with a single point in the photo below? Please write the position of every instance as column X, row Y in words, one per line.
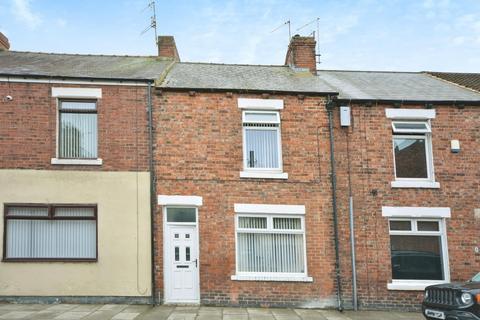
column 61, row 22
column 23, row 12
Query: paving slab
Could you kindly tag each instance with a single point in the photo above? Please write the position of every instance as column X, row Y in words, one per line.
column 126, row 315
column 100, row 315
column 87, row 307
column 182, row 316
column 45, row 315
column 335, row 315
column 17, row 315
column 235, row 316
column 169, row 312
column 232, row 310
column 72, row 315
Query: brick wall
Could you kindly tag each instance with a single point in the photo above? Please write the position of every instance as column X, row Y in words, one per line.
column 199, row 152
column 369, row 142
column 28, row 127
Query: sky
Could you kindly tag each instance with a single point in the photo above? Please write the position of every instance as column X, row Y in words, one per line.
column 397, row 35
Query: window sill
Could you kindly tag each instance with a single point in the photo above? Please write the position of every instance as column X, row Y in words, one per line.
column 271, row 278
column 412, row 285
column 79, row 162
column 264, row 175
column 415, row 184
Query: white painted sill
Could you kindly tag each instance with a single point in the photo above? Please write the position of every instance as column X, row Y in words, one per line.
column 271, row 278
column 412, row 285
column 264, row 175
column 78, row 162
column 415, row 184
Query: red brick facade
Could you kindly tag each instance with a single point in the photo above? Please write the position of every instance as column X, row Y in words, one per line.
column 367, row 148
column 28, row 126
column 199, row 152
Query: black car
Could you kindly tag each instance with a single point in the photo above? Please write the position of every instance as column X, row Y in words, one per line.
column 453, row 301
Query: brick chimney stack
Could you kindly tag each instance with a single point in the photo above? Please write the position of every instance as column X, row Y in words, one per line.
column 4, row 44
column 167, row 48
column 301, row 53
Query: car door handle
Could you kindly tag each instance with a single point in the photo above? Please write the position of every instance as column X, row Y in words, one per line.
column 196, row 263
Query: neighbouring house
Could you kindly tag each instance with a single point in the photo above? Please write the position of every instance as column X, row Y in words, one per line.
column 254, row 178
column 75, row 178
column 467, row 80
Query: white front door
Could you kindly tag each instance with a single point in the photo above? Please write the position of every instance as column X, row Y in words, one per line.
column 181, row 264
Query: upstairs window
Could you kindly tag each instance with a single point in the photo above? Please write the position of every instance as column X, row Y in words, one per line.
column 412, row 148
column 78, row 137
column 261, row 141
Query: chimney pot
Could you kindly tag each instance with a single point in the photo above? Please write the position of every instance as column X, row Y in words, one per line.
column 301, row 53
column 167, row 48
column 4, row 44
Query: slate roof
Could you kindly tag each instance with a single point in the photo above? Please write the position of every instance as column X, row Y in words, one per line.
column 187, row 75
column 382, row 85
column 468, row 80
column 81, row 66
column 355, row 85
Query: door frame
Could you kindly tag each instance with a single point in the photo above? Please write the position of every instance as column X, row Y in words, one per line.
column 166, row 244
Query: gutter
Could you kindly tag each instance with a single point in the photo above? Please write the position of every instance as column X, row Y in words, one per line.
column 152, row 189
column 70, row 78
column 246, row 91
column 330, row 106
column 412, row 102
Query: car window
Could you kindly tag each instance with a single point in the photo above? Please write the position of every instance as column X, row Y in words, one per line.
column 476, row 278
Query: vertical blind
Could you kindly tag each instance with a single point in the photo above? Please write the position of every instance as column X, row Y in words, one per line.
column 261, row 147
column 50, row 237
column 262, row 247
column 78, row 130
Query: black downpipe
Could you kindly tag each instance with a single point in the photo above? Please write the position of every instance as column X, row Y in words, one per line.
column 153, row 203
column 330, row 106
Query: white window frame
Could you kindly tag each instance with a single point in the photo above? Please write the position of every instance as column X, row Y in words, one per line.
column 262, row 106
column 427, row 129
column 426, row 135
column 265, row 173
column 266, row 211
column 415, row 214
column 78, row 94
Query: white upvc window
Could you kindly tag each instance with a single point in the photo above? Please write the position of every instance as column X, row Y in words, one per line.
column 412, row 148
column 412, row 154
column 270, row 247
column 262, row 145
column 418, row 247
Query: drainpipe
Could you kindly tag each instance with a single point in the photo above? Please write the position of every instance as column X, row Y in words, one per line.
column 153, row 192
column 352, row 230
column 330, row 106
column 352, row 247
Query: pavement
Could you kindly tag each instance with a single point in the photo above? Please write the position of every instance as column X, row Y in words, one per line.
column 143, row 312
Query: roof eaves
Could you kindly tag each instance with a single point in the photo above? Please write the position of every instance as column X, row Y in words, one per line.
column 240, row 90
column 412, row 101
column 60, row 77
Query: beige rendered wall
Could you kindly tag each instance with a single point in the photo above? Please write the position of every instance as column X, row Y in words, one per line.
column 123, row 266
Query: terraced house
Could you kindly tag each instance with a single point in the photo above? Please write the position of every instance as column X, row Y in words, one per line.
column 149, row 179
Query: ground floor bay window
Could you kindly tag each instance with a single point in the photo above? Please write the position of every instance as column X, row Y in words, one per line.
column 270, row 243
column 418, row 247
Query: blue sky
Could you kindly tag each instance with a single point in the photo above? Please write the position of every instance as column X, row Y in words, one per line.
column 406, row 35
